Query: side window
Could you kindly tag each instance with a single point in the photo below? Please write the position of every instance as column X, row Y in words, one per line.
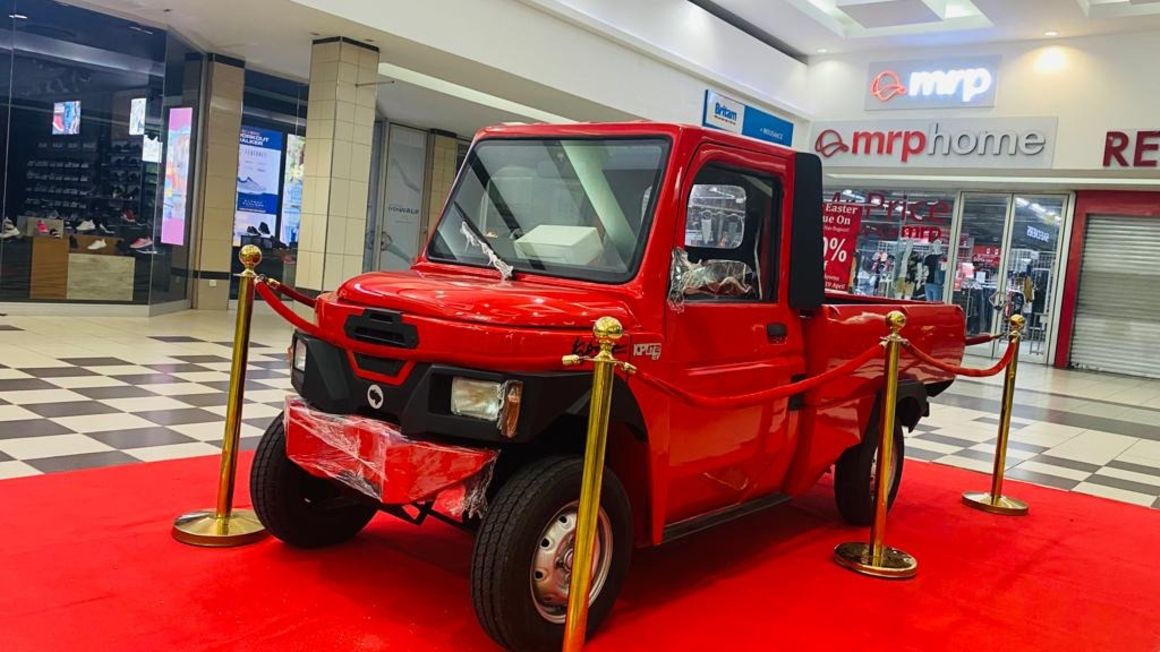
column 728, row 248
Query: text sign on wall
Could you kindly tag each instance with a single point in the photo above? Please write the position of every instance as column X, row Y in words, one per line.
column 929, row 84
column 947, row 143
column 721, row 112
column 1132, row 148
column 840, row 224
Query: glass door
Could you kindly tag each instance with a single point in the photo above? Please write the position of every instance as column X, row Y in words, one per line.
column 976, row 281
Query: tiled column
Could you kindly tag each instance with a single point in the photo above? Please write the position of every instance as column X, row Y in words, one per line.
column 441, row 170
column 217, row 193
column 339, row 130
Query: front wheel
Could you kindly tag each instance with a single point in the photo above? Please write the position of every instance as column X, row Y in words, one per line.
column 296, row 507
column 855, row 481
column 522, row 562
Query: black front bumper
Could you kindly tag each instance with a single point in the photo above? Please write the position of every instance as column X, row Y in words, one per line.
column 421, row 402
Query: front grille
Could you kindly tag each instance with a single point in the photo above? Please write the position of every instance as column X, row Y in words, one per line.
column 381, row 366
column 382, row 327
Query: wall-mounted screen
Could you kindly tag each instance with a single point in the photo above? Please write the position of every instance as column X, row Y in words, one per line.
column 66, row 118
column 137, row 108
column 259, row 174
column 292, row 188
column 177, row 146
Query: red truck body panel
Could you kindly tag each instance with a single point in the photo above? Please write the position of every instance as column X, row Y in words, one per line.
column 694, row 461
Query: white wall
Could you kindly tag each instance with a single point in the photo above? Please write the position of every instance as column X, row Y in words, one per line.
column 1092, row 84
column 656, row 64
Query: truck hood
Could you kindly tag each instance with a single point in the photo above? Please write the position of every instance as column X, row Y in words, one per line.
column 482, row 300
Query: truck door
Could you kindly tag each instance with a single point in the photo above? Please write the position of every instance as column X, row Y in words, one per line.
column 729, row 332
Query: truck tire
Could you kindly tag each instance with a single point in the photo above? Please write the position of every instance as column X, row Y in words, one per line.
column 854, row 486
column 296, row 507
column 522, row 559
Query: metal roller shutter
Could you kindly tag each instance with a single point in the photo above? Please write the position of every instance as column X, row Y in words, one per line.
column 1117, row 322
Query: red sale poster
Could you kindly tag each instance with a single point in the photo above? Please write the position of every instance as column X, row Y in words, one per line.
column 840, row 224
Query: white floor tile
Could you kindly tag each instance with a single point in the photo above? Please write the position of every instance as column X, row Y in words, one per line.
column 1012, row 453
column 15, row 413
column 932, row 446
column 266, row 395
column 178, row 389
column 202, row 431
column 1143, row 450
column 11, row 374
column 104, row 422
column 978, row 432
column 34, row 396
column 966, row 463
column 31, row 448
column 1093, row 447
column 144, row 403
column 73, row 382
column 1115, row 494
column 203, row 376
column 1057, row 471
column 16, row 469
column 173, row 451
column 1142, row 478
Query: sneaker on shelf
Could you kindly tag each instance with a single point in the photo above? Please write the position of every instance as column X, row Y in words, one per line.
column 41, row 227
column 106, row 230
column 127, row 215
column 250, row 230
column 148, row 251
column 263, row 229
column 142, row 243
column 85, row 226
column 54, row 233
column 9, row 230
column 97, row 244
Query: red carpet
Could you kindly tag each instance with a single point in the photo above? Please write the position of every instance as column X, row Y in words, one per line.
column 88, row 563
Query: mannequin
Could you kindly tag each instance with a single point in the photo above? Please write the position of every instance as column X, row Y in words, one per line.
column 933, row 289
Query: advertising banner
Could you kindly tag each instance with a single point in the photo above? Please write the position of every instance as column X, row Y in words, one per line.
column 721, row 112
column 173, row 206
column 292, row 188
column 840, row 224
column 259, row 173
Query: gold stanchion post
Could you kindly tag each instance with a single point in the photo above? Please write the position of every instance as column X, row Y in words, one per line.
column 225, row 526
column 607, row 331
column 876, row 558
column 994, row 501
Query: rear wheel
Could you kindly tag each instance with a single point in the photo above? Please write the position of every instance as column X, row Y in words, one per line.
column 522, row 562
column 296, row 507
column 855, row 481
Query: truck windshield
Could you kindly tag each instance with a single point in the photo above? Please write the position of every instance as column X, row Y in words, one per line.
column 571, row 207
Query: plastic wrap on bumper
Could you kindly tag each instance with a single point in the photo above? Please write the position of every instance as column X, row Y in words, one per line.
column 375, row 458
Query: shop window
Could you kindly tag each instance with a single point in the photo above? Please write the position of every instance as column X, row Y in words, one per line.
column 725, row 256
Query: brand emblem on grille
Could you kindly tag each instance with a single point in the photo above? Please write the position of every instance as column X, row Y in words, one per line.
column 375, row 396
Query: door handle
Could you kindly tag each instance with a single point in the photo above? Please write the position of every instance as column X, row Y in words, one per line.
column 776, row 331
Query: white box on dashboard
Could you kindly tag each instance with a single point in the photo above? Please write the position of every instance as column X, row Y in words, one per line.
column 556, row 243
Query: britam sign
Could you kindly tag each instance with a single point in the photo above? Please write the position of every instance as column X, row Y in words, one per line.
column 726, row 113
column 949, row 143
column 925, row 84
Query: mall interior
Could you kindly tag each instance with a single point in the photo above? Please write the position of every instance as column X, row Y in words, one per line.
column 991, row 168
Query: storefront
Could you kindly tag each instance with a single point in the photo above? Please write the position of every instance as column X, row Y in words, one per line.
column 96, row 132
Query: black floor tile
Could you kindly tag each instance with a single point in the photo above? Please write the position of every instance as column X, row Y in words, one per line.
column 200, row 358
column 81, row 461
column 95, row 362
column 23, row 384
column 148, row 379
column 922, row 427
column 982, row 456
column 944, row 439
column 4, row 457
column 922, row 454
column 266, row 374
column 70, row 409
column 204, row 400
column 995, row 421
column 1137, row 468
column 1156, row 505
column 58, row 372
column 31, row 428
column 253, row 345
column 1126, row 485
column 1066, row 463
column 246, row 443
column 1147, row 431
column 259, row 422
column 141, row 437
column 272, row 364
column 177, row 368
column 116, row 391
column 1042, row 478
column 179, row 417
column 175, row 338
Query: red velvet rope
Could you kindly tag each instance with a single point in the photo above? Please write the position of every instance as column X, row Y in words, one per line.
column 755, row 398
column 287, row 291
column 980, row 339
column 965, row 371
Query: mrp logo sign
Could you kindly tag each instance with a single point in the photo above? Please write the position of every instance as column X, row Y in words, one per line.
column 726, row 113
column 946, row 83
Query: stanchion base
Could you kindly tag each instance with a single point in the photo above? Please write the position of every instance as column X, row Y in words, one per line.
column 206, row 529
column 858, row 557
column 1002, row 505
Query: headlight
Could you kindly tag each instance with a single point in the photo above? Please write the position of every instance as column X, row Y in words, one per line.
column 488, row 400
column 299, row 355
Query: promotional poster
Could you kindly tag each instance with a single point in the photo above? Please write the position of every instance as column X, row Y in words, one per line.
column 259, row 174
column 292, row 188
column 840, row 224
column 66, row 118
column 176, row 175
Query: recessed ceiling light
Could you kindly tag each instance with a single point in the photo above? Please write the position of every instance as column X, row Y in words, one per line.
column 18, row 16
column 822, row 50
column 1051, row 33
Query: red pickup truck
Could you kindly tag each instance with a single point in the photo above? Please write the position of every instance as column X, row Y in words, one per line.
column 438, row 391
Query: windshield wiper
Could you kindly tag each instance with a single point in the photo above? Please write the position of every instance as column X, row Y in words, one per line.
column 475, row 238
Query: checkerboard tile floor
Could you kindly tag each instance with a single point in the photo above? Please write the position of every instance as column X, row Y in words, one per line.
column 88, row 392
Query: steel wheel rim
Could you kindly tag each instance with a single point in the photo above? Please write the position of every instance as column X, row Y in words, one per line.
column 551, row 569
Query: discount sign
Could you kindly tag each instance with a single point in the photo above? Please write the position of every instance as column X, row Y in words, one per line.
column 840, row 223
